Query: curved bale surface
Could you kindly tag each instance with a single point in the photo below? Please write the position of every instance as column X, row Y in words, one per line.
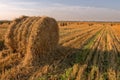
column 43, row 39
column 11, row 40
column 32, row 35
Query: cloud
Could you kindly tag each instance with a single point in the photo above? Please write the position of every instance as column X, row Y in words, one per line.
column 24, row 3
column 58, row 11
column 82, row 13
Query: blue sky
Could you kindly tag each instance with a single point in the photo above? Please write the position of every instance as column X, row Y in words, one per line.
column 83, row 10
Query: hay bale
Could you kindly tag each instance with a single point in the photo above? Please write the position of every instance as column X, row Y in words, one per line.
column 33, row 36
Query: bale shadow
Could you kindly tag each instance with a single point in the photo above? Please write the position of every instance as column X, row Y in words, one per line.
column 64, row 58
column 67, row 57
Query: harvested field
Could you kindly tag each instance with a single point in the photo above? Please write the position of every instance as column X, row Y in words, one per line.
column 86, row 51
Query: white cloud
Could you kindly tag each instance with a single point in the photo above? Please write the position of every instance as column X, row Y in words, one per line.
column 82, row 13
column 24, row 3
column 59, row 11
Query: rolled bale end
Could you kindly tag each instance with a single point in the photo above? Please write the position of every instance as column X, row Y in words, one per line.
column 44, row 36
column 42, row 41
column 11, row 37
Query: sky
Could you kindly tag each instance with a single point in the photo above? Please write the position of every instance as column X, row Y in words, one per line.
column 70, row 10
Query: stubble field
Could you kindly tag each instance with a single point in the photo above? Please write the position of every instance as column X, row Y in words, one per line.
column 86, row 51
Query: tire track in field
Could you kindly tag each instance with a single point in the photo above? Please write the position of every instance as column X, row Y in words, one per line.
column 82, row 69
column 90, row 56
column 93, row 62
column 94, row 73
column 112, row 57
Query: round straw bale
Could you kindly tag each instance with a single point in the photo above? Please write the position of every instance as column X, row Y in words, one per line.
column 43, row 39
column 10, row 37
column 44, row 36
column 33, row 35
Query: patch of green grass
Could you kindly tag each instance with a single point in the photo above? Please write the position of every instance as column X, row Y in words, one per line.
column 94, row 72
column 43, row 78
column 66, row 75
column 79, row 58
column 91, row 41
column 104, row 76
